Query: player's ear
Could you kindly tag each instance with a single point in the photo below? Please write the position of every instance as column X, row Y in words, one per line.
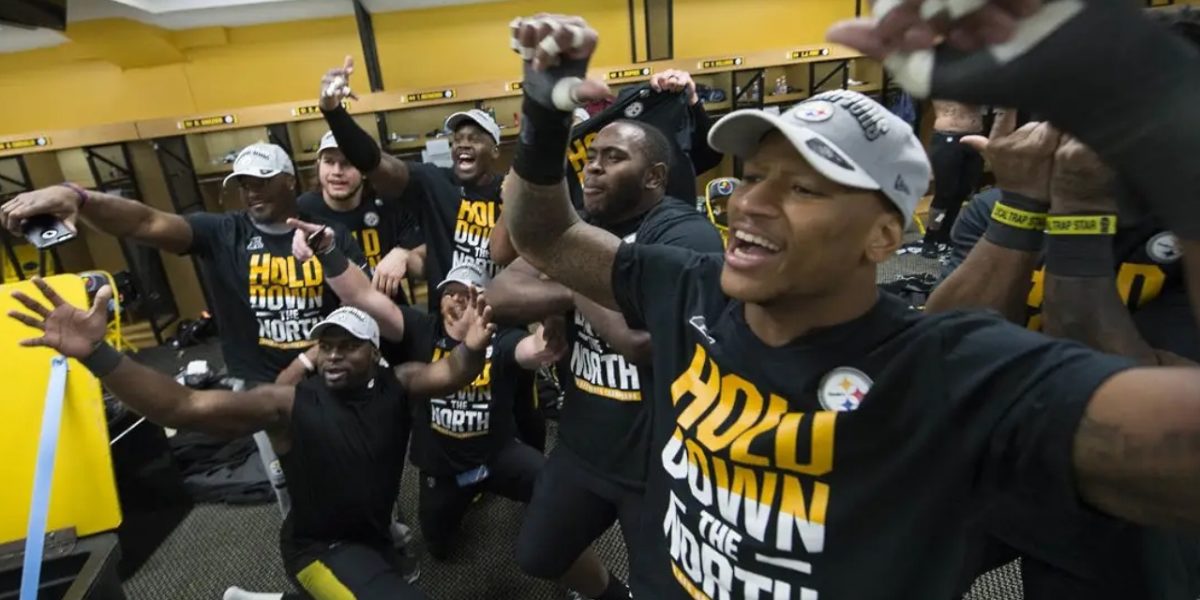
column 656, row 176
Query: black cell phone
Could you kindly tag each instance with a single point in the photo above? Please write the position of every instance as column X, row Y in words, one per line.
column 45, row 231
column 317, row 239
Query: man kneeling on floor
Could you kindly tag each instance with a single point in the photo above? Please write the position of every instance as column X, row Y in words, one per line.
column 340, row 436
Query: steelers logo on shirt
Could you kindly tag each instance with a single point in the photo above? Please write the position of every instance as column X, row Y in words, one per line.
column 633, row 110
column 1164, row 248
column 371, row 219
column 815, row 111
column 843, row 389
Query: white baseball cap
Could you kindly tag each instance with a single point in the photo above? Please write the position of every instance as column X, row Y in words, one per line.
column 327, row 142
column 263, row 161
column 477, row 116
column 356, row 322
column 467, row 274
column 844, row 135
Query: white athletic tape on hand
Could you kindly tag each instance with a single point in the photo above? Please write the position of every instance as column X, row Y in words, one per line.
column 577, row 36
column 549, row 45
column 1034, row 29
column 912, row 70
column 331, row 90
column 932, row 8
column 563, row 94
column 961, row 8
column 883, row 7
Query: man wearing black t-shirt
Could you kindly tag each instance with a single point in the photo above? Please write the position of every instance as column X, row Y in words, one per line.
column 811, row 438
column 340, row 435
column 385, row 231
column 457, row 207
column 465, row 442
column 596, row 473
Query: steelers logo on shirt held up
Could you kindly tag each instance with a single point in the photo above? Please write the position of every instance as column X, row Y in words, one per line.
column 843, row 389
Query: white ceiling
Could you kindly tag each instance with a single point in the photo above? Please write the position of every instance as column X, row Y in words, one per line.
column 187, row 14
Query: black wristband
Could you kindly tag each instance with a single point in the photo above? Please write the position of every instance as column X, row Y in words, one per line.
column 102, row 361
column 542, row 147
column 358, row 146
column 1080, row 255
column 1013, row 238
column 333, row 261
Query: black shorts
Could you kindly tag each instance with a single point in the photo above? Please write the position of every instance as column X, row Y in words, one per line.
column 333, row 571
column 571, row 507
column 442, row 503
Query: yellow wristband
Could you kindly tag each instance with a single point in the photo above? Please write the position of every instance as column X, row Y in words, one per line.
column 1015, row 217
column 1082, row 225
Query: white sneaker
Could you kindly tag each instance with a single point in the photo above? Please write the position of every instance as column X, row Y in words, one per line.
column 237, row 593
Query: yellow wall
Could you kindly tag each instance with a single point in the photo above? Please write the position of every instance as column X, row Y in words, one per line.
column 707, row 27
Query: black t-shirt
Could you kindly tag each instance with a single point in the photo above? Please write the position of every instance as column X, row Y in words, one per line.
column 344, row 467
column 266, row 300
column 456, row 221
column 1149, row 276
column 846, row 463
column 459, row 432
column 602, row 420
column 376, row 225
column 669, row 113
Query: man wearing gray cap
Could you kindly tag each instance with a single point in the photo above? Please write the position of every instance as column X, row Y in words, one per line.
column 341, row 436
column 812, row 437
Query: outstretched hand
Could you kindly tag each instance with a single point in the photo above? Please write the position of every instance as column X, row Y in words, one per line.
column 478, row 316
column 674, row 80
column 551, row 344
column 69, row 330
column 335, row 85
column 309, row 239
column 58, row 200
column 911, row 25
column 562, row 45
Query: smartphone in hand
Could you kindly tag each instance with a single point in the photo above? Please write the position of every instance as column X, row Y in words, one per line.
column 45, row 231
column 316, row 240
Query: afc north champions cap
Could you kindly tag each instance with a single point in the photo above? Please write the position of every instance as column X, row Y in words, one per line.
column 262, row 161
column 845, row 136
column 356, row 322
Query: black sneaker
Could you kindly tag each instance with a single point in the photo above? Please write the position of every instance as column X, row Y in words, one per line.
column 406, row 557
column 934, row 250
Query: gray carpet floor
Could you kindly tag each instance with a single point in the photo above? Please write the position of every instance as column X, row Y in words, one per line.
column 218, row 546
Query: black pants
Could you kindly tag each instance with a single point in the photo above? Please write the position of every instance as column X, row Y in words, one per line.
column 571, row 507
column 957, row 169
column 442, row 503
column 348, row 570
column 531, row 423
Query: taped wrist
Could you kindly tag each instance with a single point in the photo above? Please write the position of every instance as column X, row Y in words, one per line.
column 1080, row 245
column 102, row 361
column 1017, row 223
column 358, row 146
column 542, row 146
column 333, row 261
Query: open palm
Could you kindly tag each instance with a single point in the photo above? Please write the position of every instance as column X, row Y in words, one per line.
column 65, row 328
column 480, row 328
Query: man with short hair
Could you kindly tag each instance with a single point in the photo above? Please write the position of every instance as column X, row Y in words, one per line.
column 457, row 207
column 596, row 474
column 386, row 232
column 340, row 436
column 812, row 438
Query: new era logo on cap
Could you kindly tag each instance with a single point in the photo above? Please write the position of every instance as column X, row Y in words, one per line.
column 844, row 135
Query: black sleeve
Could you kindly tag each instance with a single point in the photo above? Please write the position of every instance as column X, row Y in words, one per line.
column 417, row 345
column 408, row 226
column 504, row 348
column 972, row 222
column 704, row 158
column 211, row 233
column 648, row 280
column 420, row 193
column 1166, row 323
column 350, row 248
column 688, row 230
column 1033, row 391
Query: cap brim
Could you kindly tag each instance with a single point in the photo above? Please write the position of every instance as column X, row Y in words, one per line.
column 255, row 175
column 458, row 118
column 446, row 282
column 741, row 132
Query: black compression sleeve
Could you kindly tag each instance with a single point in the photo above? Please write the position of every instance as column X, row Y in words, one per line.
column 358, row 146
column 542, row 149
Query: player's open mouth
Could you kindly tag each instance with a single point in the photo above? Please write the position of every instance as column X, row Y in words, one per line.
column 465, row 161
column 335, row 374
column 747, row 250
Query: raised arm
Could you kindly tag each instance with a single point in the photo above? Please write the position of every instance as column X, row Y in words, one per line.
column 520, row 294
column 347, row 281
column 116, row 216
column 80, row 335
column 464, row 363
column 1082, row 302
column 541, row 221
column 304, row 364
column 388, row 174
column 996, row 274
column 500, row 246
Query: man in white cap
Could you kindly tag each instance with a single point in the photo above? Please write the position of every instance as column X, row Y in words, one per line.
column 457, row 207
column 812, row 437
column 386, row 231
column 341, row 435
